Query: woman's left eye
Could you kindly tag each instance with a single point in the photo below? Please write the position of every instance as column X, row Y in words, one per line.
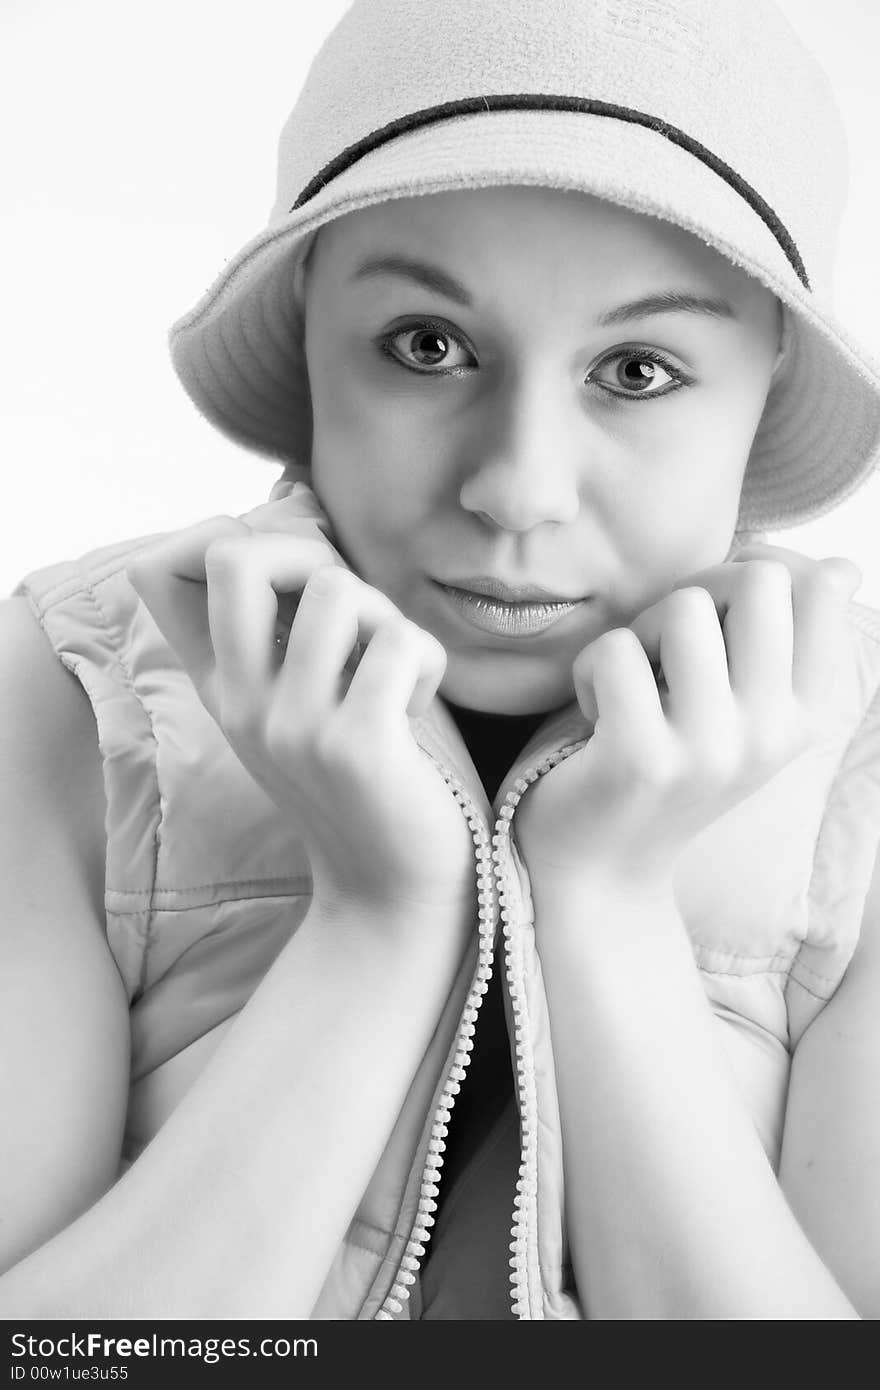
column 638, row 374
column 429, row 348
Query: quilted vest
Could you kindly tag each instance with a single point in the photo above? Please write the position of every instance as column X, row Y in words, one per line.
column 206, row 882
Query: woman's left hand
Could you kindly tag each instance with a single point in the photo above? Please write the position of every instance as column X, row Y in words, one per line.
column 745, row 654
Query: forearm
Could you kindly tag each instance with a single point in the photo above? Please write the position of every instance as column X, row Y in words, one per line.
column 238, row 1205
column 673, row 1209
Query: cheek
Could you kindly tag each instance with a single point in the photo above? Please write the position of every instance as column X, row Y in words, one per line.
column 376, row 477
column 676, row 511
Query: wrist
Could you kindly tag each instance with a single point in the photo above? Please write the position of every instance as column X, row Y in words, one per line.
column 564, row 888
column 601, row 903
column 400, row 922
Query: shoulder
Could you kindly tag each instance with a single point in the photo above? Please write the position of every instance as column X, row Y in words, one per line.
column 63, row 1006
column 49, row 753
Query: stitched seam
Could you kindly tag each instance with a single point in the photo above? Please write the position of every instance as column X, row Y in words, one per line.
column 757, row 974
column 201, row 887
column 367, row 1249
column 814, row 994
column 799, row 961
column 737, row 975
column 74, row 666
column 110, row 567
column 770, row 970
column 382, row 1237
column 534, row 1269
column 158, row 909
column 798, row 965
column 147, row 933
column 738, row 955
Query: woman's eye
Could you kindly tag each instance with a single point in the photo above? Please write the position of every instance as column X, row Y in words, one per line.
column 425, row 347
column 638, row 375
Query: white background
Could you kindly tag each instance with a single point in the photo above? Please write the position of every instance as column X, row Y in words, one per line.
column 137, row 153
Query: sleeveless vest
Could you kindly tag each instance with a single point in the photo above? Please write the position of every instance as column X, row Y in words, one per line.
column 206, row 882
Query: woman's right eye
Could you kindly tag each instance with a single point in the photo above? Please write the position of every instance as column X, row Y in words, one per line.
column 432, row 349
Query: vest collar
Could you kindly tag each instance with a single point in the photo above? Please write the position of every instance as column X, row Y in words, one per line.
column 437, row 733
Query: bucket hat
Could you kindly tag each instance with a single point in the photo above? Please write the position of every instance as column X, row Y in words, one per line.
column 710, row 114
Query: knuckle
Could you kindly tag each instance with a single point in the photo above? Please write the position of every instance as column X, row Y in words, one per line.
column 330, row 581
column 690, row 603
column 691, row 596
column 223, row 554
column 766, row 573
column 150, row 565
column 435, row 655
column 397, row 634
column 616, row 642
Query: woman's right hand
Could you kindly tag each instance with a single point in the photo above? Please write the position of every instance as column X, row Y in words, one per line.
column 333, row 750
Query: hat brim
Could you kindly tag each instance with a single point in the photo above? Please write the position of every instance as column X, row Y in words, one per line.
column 238, row 352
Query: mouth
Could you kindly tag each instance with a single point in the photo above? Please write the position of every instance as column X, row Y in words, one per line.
column 507, row 610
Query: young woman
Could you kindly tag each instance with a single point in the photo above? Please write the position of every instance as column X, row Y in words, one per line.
column 454, row 891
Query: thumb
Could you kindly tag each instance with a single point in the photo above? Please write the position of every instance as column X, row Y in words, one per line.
column 584, row 687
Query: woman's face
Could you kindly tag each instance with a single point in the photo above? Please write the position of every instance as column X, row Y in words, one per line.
column 535, row 388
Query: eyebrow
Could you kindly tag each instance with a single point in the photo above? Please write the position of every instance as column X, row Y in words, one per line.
column 668, row 302
column 431, row 277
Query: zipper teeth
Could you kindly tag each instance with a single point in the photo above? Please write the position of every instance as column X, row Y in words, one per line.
column 420, row 1234
column 490, row 866
column 525, row 1201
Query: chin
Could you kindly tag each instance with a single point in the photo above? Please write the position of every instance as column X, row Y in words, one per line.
column 498, row 686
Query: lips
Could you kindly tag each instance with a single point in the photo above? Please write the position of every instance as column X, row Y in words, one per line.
column 505, row 592
column 497, row 614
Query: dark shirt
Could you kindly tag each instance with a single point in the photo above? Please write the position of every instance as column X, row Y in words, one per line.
column 484, row 1115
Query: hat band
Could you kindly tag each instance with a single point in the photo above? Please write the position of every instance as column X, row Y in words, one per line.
column 538, row 101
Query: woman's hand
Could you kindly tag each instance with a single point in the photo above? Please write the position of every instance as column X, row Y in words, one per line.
column 333, row 750
column 745, row 655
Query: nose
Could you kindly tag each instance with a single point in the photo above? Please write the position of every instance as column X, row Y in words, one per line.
column 526, row 458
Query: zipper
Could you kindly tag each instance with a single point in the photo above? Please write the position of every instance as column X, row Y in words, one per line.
column 494, row 862
column 429, row 1186
column 525, row 1203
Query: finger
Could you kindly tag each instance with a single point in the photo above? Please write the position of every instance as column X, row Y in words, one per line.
column 245, row 576
column 397, row 676
column 170, row 580
column 298, row 513
column 336, row 611
column 818, row 626
column 614, row 683
column 682, row 638
column 844, row 572
column 822, row 629
column 759, row 631
column 431, row 673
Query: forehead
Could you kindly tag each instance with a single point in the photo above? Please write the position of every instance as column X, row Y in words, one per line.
column 486, row 235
